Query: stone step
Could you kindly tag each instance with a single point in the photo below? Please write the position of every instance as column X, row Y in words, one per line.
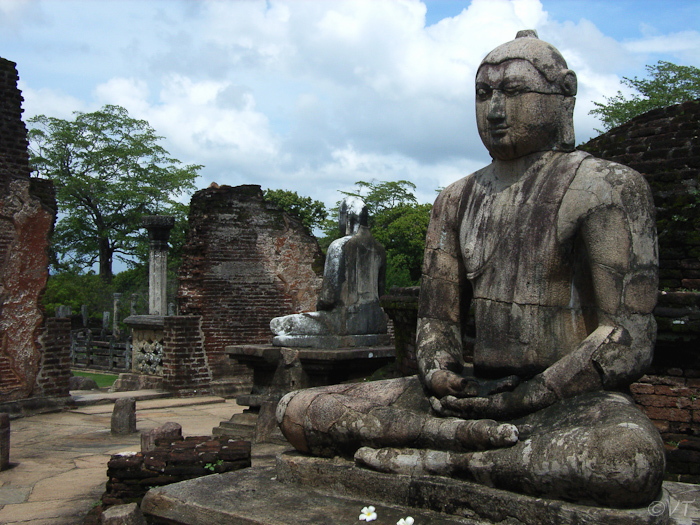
column 145, row 402
column 253, row 496
column 84, row 398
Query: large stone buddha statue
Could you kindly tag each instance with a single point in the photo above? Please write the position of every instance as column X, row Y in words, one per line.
column 556, row 251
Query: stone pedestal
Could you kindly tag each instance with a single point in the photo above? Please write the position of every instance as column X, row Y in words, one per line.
column 158, row 227
column 278, row 370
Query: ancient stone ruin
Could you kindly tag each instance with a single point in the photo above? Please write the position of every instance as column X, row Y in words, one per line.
column 34, row 357
column 245, row 262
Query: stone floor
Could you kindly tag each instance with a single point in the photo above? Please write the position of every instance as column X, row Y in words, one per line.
column 58, row 462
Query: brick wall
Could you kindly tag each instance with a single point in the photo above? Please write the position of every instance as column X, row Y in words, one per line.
column 245, row 262
column 27, row 214
column 132, row 475
column 14, row 161
column 185, row 368
column 664, row 146
column 54, row 368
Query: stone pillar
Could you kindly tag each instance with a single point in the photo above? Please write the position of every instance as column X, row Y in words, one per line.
column 158, row 227
column 115, row 317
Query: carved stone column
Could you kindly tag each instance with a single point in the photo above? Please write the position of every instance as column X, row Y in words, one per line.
column 158, row 227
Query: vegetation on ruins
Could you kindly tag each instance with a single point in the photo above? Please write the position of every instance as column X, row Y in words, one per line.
column 75, row 289
column 109, row 170
column 668, row 84
column 311, row 213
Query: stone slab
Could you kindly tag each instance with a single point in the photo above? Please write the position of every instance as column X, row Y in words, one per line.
column 271, row 353
column 107, row 398
column 331, row 341
column 150, row 403
column 456, row 497
column 150, row 322
column 255, row 497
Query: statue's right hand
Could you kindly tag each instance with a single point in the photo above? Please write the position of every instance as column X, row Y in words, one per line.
column 446, row 383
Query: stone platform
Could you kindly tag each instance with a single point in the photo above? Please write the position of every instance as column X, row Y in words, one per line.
column 307, row 367
column 278, row 370
column 309, row 490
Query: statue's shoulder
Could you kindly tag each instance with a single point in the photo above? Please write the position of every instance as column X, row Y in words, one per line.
column 600, row 183
column 606, row 180
column 449, row 198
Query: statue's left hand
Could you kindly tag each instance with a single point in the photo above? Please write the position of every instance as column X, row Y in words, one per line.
column 527, row 397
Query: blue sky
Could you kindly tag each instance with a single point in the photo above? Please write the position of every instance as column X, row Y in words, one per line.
column 313, row 96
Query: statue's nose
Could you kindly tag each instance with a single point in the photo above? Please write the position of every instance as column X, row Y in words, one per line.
column 497, row 106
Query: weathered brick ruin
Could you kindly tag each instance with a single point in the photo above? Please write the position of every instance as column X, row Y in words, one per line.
column 245, row 262
column 27, row 214
column 185, row 368
column 132, row 475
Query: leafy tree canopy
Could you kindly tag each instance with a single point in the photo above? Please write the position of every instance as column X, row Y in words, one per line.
column 311, row 213
column 668, row 84
column 109, row 171
column 380, row 196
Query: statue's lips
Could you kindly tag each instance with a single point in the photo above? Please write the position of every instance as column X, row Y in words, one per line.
column 498, row 131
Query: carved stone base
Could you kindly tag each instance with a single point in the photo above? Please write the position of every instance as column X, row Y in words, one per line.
column 129, row 381
column 456, row 497
column 304, row 490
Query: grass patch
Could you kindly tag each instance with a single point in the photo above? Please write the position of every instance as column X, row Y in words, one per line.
column 102, row 380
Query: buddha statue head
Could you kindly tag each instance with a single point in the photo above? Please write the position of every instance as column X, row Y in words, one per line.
column 525, row 97
column 353, row 214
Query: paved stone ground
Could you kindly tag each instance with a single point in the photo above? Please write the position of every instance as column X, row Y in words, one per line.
column 58, row 462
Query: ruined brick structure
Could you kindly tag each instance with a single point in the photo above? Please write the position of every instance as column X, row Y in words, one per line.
column 54, row 375
column 245, row 262
column 185, row 368
column 27, row 214
column 132, row 475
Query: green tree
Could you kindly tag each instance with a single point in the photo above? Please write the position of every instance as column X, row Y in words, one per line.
column 381, row 196
column 109, row 171
column 311, row 213
column 668, row 84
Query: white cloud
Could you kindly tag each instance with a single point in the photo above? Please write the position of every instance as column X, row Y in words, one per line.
column 127, row 92
column 684, row 44
column 45, row 101
column 309, row 96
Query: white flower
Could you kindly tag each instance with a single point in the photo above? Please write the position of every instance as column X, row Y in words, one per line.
column 368, row 514
column 405, row 521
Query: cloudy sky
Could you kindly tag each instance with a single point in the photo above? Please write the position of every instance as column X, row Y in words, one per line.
column 312, row 96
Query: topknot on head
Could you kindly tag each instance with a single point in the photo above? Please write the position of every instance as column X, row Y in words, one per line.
column 527, row 46
column 527, row 33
